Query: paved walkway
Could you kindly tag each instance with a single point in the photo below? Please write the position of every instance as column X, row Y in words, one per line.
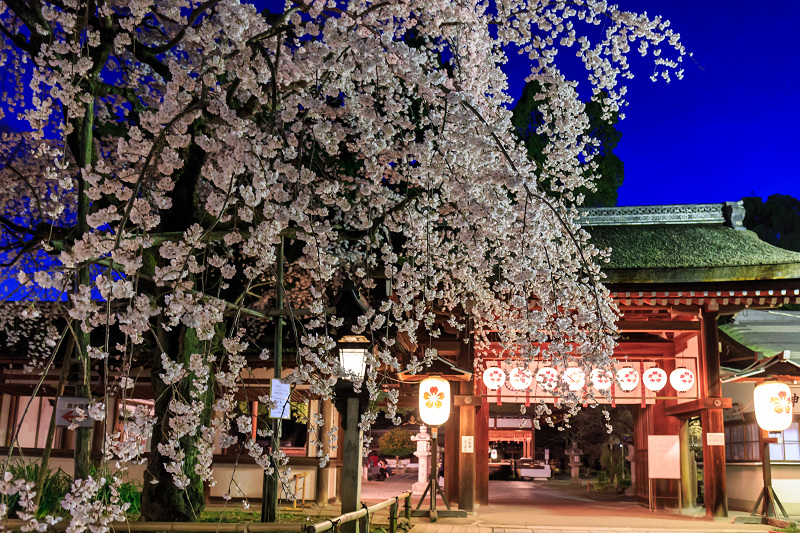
column 554, row 507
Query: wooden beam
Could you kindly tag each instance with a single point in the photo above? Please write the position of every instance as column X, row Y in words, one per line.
column 658, row 325
column 662, row 347
column 694, row 407
column 466, row 400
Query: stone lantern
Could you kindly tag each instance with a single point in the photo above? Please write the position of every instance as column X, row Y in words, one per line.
column 574, row 455
column 423, row 440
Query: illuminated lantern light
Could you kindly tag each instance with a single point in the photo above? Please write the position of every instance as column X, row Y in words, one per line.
column 654, row 379
column 773, row 404
column 602, row 380
column 628, row 379
column 520, row 378
column 681, row 379
column 547, row 377
column 434, row 400
column 494, row 378
column 575, row 378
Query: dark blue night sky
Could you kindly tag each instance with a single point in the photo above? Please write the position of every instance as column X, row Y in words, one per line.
column 729, row 129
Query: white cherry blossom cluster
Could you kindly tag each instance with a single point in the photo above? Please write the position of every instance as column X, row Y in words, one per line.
column 174, row 146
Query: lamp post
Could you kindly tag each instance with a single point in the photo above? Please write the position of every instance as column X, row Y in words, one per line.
column 353, row 361
column 773, row 405
column 434, row 409
column 352, row 356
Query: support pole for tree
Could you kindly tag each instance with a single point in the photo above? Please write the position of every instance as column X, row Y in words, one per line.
column 83, row 435
column 51, row 430
column 271, row 486
column 321, row 497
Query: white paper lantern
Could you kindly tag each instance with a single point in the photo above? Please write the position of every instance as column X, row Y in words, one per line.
column 520, row 378
column 654, row 379
column 575, row 378
column 628, row 379
column 547, row 377
column 494, row 378
column 434, row 400
column 601, row 379
column 773, row 404
column 681, row 379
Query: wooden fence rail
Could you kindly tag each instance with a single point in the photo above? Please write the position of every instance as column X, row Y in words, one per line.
column 365, row 513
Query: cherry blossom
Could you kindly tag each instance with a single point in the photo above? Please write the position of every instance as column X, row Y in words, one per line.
column 173, row 146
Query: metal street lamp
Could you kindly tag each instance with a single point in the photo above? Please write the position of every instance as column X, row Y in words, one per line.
column 351, row 403
column 353, row 356
column 773, row 404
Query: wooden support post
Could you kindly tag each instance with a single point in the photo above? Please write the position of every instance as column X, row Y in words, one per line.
column 323, row 474
column 716, row 498
column 482, row 449
column 451, row 456
column 351, row 465
column 270, row 489
column 466, row 459
column 688, row 486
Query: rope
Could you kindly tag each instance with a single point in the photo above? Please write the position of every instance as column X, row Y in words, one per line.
column 366, row 524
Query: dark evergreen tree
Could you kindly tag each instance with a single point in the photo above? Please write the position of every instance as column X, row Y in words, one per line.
column 602, row 137
column 776, row 221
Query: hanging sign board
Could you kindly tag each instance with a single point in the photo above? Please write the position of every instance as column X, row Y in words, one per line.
column 663, row 457
column 66, row 412
column 279, row 396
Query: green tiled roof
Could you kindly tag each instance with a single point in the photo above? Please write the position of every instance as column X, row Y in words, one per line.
column 662, row 253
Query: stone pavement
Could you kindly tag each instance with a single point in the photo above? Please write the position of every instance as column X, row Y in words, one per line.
column 555, row 507
column 444, row 528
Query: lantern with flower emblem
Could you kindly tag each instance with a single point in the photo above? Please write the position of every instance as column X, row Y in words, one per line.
column 773, row 404
column 494, row 378
column 627, row 378
column 434, row 400
column 654, row 379
column 681, row 379
column 520, row 378
column 602, row 379
column 547, row 377
column 575, row 378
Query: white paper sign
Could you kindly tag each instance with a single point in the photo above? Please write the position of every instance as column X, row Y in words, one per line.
column 663, row 457
column 279, row 395
column 66, row 412
column 715, row 439
column 467, row 444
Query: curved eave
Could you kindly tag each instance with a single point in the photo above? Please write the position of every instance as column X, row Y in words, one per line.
column 702, row 274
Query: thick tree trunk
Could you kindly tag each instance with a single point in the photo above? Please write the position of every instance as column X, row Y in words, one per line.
column 163, row 501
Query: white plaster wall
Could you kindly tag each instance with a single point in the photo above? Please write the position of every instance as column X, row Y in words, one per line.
column 246, row 481
column 745, row 483
column 741, row 393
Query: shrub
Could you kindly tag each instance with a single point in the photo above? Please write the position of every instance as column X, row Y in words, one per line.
column 396, row 443
column 55, row 487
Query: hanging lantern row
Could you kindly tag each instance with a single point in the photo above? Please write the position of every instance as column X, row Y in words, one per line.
column 654, row 379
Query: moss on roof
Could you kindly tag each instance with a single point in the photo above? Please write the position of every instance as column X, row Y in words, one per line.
column 680, row 246
column 688, row 253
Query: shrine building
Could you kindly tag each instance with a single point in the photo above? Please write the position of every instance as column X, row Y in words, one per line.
column 689, row 281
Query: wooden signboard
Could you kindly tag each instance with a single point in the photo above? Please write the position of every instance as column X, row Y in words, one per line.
column 663, row 457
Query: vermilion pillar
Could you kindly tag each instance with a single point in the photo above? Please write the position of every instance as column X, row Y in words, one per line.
column 482, row 447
